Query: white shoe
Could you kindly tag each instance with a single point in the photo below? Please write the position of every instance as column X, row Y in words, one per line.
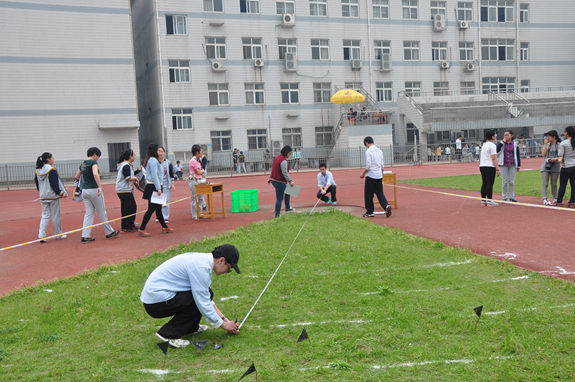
column 492, row 204
column 177, row 343
column 166, row 221
column 201, row 329
column 157, row 221
column 61, row 237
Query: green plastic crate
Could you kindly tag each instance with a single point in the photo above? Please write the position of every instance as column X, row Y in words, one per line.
column 244, row 200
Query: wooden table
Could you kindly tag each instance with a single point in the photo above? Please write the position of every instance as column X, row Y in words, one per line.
column 209, row 189
column 390, row 179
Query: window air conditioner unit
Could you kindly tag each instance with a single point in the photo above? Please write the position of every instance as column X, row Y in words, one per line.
column 439, row 23
column 469, row 67
column 386, row 62
column 218, row 67
column 276, row 148
column 445, row 65
column 259, row 62
column 356, row 64
column 464, row 25
column 207, row 149
column 288, row 20
column 290, row 62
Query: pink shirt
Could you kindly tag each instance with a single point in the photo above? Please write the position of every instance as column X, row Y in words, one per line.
column 195, row 165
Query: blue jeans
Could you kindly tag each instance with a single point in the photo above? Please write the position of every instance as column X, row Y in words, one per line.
column 280, row 195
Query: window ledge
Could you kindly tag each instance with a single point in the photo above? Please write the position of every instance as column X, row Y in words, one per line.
column 222, row 118
column 292, row 115
column 216, row 23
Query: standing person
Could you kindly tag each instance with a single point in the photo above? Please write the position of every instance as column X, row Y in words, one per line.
column 180, row 287
column 125, row 182
column 448, row 152
column 458, row 148
column 373, row 174
column 326, row 185
column 267, row 160
column 279, row 178
column 93, row 195
column 477, row 152
column 489, row 167
column 204, row 162
column 567, row 153
column 196, row 172
column 550, row 168
column 509, row 163
column 242, row 162
column 167, row 185
column 179, row 171
column 51, row 190
column 154, row 181
column 236, row 159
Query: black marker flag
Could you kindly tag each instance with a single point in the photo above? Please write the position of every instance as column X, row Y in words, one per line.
column 478, row 310
column 303, row 336
column 164, row 346
column 200, row 345
column 251, row 369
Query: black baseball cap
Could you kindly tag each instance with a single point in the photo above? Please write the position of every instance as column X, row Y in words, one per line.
column 230, row 253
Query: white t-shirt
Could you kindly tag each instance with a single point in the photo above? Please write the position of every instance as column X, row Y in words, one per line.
column 458, row 144
column 487, row 150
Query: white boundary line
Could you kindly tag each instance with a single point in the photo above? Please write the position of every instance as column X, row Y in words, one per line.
column 357, row 322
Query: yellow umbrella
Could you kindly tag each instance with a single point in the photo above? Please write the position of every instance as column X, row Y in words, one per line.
column 347, row 96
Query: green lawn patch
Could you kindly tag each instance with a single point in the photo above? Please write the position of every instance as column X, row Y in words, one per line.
column 377, row 303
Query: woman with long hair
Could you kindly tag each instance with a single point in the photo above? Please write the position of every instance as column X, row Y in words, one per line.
column 196, row 172
column 125, row 182
column 51, row 190
column 168, row 185
column 567, row 156
column 279, row 178
column 550, row 168
column 489, row 167
column 154, row 180
column 509, row 164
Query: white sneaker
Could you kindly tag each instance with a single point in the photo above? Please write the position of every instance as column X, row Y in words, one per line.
column 492, row 204
column 177, row 343
column 157, row 221
column 201, row 329
column 61, row 237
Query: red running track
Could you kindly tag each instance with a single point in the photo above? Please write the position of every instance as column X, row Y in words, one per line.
column 524, row 235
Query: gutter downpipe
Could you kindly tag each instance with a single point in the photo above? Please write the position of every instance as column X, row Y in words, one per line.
column 163, row 111
column 369, row 47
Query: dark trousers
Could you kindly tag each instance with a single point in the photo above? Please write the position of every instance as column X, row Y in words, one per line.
column 325, row 198
column 373, row 186
column 186, row 314
column 128, row 207
column 488, row 178
column 152, row 207
column 567, row 175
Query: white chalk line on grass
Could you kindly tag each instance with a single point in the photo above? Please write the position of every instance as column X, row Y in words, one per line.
column 532, row 309
column 228, row 298
column 158, row 371
column 357, row 322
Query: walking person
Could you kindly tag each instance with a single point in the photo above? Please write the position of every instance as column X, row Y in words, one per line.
column 567, row 153
column 296, row 157
column 489, row 167
column 93, row 196
column 51, row 190
column 125, row 182
column 242, row 162
column 168, row 185
column 279, row 178
column 373, row 174
column 236, row 159
column 550, row 168
column 195, row 178
column 326, row 185
column 154, row 181
column 509, row 164
column 267, row 160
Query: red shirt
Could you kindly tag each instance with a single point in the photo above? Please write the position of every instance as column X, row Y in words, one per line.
column 276, row 173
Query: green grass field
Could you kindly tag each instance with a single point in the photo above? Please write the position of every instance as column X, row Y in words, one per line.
column 378, row 304
column 526, row 183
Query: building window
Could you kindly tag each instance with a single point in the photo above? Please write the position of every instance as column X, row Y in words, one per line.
column 524, row 51
column 438, row 8
column 349, row 8
column 411, row 50
column 469, row 134
column 465, row 51
column 497, row 11
column 439, row 51
column 218, row 94
column 321, row 92
column 523, row 13
column 249, row 6
column 221, row 140
column 317, row 7
column 384, row 92
column 290, row 92
column 497, row 50
column 181, row 119
column 252, row 48
column 319, row 49
column 413, row 89
column 257, row 139
column 255, row 94
column 286, row 45
column 380, row 9
column 464, row 11
column 497, row 84
column 354, row 86
column 525, row 86
column 413, row 132
column 216, row 47
column 409, row 9
column 213, row 6
column 179, row 71
column 381, row 47
column 323, row 135
column 467, row 87
column 292, row 137
column 440, row 88
column 351, row 50
column 285, row 7
column 176, row 24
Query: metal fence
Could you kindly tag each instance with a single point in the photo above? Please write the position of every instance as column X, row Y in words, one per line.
column 23, row 176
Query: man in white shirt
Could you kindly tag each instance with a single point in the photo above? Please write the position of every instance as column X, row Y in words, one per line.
column 180, row 287
column 326, row 185
column 373, row 174
column 458, row 147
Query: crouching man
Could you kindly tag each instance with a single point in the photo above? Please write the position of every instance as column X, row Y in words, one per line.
column 180, row 287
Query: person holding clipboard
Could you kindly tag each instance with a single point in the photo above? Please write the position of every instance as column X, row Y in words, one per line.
column 279, row 178
column 154, row 180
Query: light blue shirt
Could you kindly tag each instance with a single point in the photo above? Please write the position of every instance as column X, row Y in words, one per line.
column 188, row 271
column 155, row 172
column 322, row 180
column 374, row 162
